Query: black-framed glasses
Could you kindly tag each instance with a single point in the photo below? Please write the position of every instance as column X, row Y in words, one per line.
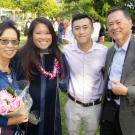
column 6, row 42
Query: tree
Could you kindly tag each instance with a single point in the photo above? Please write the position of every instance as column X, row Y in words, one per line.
column 98, row 7
column 10, row 4
column 50, row 8
column 65, row 9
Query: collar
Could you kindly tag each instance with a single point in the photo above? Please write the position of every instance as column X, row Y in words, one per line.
column 125, row 46
column 95, row 46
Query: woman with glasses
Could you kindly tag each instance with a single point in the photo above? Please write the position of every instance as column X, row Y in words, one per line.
column 45, row 67
column 9, row 41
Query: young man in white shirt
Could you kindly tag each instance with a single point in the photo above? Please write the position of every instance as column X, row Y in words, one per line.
column 86, row 60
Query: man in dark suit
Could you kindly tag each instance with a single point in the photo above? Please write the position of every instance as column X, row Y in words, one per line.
column 118, row 113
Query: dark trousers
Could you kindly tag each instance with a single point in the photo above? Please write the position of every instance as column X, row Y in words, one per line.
column 110, row 126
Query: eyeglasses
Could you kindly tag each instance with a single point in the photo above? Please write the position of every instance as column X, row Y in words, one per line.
column 6, row 42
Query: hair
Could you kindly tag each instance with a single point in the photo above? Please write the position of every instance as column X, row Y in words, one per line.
column 123, row 10
column 96, row 19
column 31, row 54
column 81, row 16
column 7, row 25
column 74, row 13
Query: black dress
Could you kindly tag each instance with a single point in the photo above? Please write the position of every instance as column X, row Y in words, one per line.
column 45, row 97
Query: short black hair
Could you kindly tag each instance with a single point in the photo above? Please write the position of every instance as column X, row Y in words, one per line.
column 74, row 13
column 9, row 24
column 81, row 16
column 123, row 10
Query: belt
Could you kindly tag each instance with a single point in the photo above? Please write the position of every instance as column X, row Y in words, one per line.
column 96, row 102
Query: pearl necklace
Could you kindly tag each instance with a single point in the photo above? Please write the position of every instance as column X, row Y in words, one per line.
column 49, row 74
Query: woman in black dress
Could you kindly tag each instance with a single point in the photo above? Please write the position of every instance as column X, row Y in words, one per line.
column 43, row 64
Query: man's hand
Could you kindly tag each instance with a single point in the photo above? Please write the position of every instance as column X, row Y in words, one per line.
column 118, row 88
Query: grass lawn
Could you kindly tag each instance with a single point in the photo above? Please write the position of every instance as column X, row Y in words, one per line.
column 63, row 96
column 108, row 44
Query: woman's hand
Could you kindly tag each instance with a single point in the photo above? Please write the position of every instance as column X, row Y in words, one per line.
column 17, row 120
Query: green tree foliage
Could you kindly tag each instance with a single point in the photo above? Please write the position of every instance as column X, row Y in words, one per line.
column 99, row 7
column 65, row 9
column 27, row 5
column 8, row 4
column 50, row 8
column 85, row 6
column 40, row 7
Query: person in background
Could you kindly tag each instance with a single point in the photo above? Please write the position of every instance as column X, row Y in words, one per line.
column 60, row 31
column 66, row 24
column 43, row 64
column 9, row 42
column 97, row 27
column 68, row 37
column 102, row 31
column 27, row 26
column 86, row 60
column 55, row 25
column 118, row 113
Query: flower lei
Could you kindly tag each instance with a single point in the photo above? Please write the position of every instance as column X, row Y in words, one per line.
column 49, row 74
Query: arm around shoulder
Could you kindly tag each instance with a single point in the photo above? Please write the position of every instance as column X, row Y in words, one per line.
column 63, row 84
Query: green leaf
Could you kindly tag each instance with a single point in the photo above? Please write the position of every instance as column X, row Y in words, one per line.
column 11, row 91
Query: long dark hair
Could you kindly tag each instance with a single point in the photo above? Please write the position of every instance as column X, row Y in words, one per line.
column 30, row 53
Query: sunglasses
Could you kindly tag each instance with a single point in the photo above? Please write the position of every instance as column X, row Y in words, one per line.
column 6, row 42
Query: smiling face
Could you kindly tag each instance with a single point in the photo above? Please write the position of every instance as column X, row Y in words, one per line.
column 119, row 27
column 7, row 51
column 42, row 36
column 82, row 30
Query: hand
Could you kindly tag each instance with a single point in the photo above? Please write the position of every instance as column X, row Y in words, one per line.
column 118, row 88
column 17, row 119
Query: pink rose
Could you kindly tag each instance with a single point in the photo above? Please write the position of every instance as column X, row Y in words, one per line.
column 8, row 103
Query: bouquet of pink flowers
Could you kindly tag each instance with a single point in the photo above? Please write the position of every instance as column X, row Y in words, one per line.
column 15, row 102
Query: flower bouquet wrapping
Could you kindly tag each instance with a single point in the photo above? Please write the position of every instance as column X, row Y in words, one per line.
column 15, row 101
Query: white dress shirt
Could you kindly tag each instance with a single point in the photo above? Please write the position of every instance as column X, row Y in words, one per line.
column 86, row 81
